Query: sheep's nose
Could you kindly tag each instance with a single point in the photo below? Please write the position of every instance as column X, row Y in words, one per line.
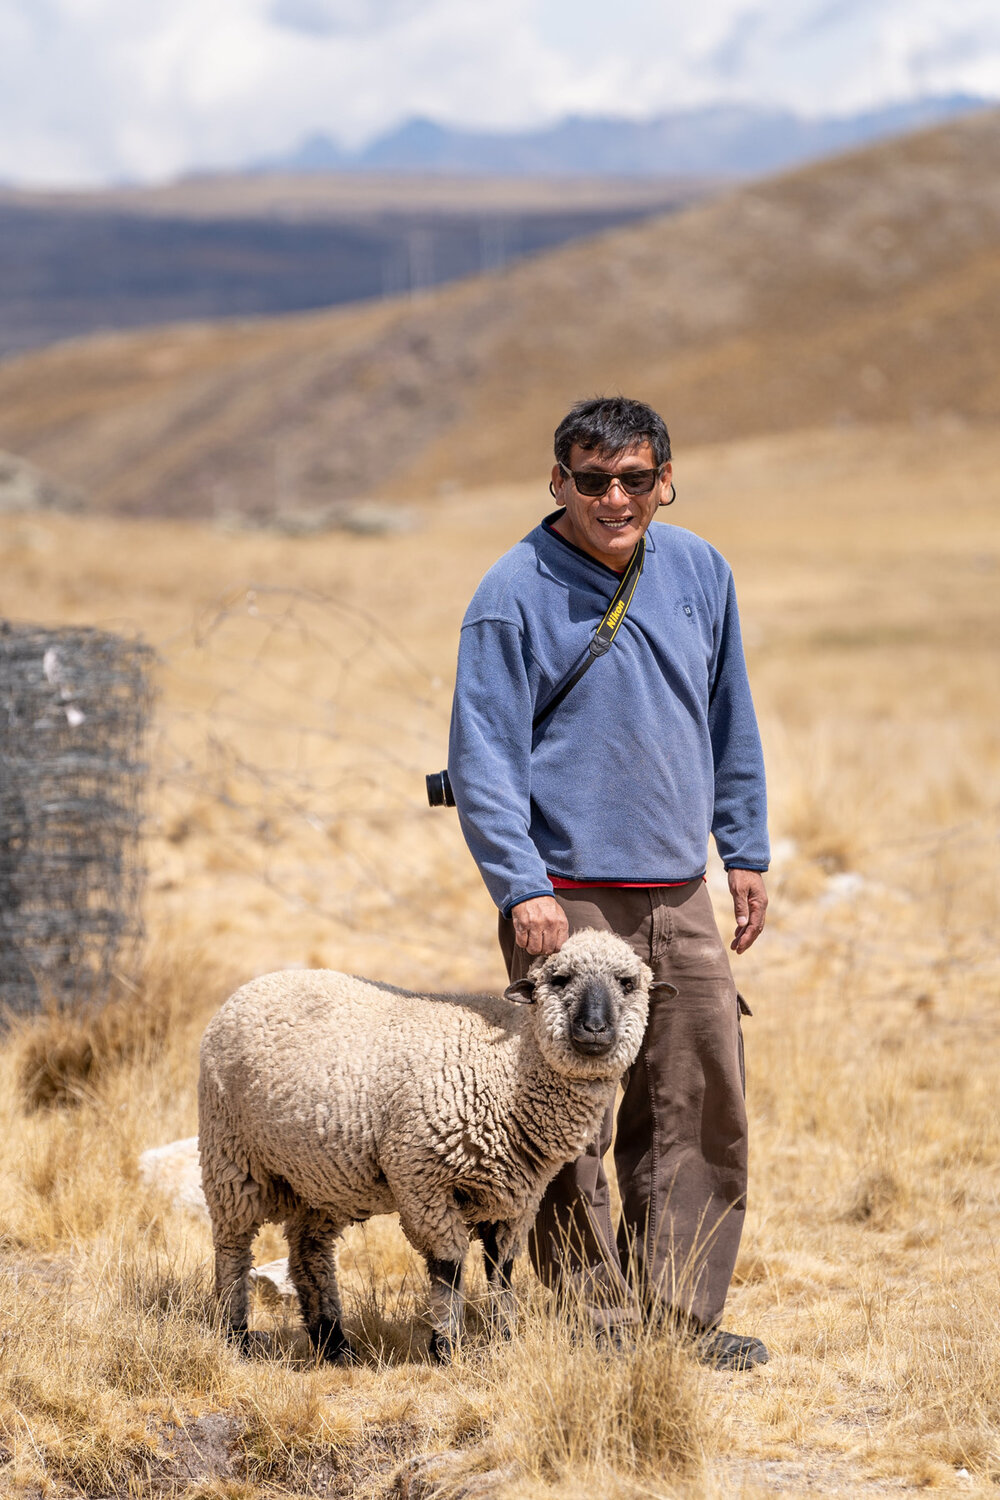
column 591, row 1027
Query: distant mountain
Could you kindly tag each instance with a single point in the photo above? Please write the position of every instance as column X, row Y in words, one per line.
column 726, row 140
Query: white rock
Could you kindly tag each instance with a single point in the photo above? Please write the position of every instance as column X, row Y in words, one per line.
column 273, row 1282
column 24, row 488
column 846, row 885
column 176, row 1171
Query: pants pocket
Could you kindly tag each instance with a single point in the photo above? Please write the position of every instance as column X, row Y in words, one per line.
column 742, row 1009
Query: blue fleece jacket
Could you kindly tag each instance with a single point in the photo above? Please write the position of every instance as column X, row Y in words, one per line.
column 656, row 747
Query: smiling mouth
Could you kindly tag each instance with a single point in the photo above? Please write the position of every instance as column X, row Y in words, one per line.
column 614, row 524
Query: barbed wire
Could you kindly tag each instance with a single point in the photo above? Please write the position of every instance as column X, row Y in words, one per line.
column 319, row 727
column 295, row 736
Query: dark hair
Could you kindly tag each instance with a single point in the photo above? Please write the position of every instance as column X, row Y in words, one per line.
column 611, row 425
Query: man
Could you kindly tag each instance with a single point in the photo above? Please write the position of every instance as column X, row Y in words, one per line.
column 600, row 817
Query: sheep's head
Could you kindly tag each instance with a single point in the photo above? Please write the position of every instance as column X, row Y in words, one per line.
column 592, row 999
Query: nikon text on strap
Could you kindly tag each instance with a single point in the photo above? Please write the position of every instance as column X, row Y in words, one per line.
column 604, row 635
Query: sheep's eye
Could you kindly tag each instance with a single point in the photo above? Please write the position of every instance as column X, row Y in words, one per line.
column 627, row 984
column 559, row 981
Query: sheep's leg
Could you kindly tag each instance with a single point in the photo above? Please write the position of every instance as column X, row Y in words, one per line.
column 431, row 1221
column 446, row 1306
column 232, row 1270
column 498, row 1277
column 314, row 1276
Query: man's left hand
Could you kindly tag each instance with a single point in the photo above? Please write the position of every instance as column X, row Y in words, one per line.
column 750, row 906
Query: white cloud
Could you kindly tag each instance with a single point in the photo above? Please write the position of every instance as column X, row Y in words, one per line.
column 93, row 90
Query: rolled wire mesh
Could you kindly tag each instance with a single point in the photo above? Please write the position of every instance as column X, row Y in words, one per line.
column 74, row 711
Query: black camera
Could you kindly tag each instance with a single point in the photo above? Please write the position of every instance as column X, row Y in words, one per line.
column 439, row 792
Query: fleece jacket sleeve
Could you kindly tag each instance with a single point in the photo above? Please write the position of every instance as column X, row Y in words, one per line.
column 740, row 820
column 489, row 761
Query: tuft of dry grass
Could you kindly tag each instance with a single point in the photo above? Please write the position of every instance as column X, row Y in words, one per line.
column 65, row 1056
column 288, row 1427
column 579, row 1409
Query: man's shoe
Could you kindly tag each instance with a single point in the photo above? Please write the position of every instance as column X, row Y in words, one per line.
column 615, row 1338
column 729, row 1351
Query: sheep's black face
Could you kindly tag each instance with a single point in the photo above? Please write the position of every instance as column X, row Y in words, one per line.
column 592, row 1019
column 592, row 999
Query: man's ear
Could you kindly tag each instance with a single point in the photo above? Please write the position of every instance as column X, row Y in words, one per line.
column 661, row 990
column 521, row 992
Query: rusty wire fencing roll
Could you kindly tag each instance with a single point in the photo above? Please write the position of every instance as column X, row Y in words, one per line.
column 75, row 706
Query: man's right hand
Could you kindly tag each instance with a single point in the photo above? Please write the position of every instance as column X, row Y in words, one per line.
column 540, row 925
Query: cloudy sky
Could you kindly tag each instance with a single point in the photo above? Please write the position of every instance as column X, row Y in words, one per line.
column 110, row 90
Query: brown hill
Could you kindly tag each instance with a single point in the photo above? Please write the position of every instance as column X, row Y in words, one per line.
column 863, row 289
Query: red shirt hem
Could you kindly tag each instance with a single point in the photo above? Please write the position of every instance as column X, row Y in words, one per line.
column 559, row 884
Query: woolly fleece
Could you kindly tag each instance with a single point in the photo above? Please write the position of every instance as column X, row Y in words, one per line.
column 324, row 1099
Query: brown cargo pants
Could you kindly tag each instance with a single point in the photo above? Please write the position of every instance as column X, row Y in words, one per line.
column 680, row 1149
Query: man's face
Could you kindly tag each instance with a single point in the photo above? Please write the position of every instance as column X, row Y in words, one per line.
column 608, row 526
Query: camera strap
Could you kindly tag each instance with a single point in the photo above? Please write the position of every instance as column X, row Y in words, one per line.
column 603, row 636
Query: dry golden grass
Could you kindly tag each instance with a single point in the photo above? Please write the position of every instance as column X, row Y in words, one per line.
column 288, row 828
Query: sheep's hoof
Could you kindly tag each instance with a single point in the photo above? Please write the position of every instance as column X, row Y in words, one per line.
column 501, row 1319
column 442, row 1348
column 329, row 1341
column 249, row 1342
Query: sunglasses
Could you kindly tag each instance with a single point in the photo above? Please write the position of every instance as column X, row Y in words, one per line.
column 596, row 482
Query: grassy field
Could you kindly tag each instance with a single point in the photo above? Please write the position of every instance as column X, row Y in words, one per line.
column 304, row 690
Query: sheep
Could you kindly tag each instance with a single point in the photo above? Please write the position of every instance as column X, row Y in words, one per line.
column 326, row 1098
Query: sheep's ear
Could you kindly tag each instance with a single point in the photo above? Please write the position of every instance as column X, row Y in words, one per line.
column 521, row 992
column 661, row 990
